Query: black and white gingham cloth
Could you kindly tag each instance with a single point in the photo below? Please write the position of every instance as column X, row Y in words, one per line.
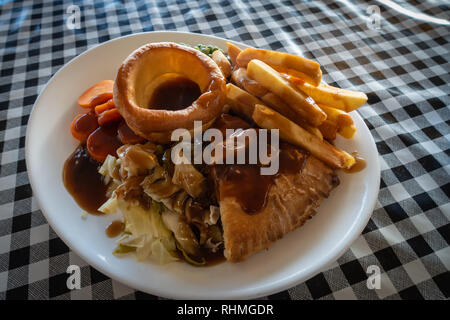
column 403, row 67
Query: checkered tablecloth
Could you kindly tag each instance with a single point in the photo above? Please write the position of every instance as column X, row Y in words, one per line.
column 400, row 61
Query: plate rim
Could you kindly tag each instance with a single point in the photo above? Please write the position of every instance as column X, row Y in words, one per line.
column 280, row 285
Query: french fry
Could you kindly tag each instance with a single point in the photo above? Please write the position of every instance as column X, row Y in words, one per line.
column 276, row 103
column 329, row 129
column 305, row 68
column 293, row 73
column 241, row 101
column 233, row 51
column 343, row 99
column 239, row 77
column 273, row 101
column 295, row 99
column 223, row 63
column 291, row 132
column 343, row 121
column 340, row 117
column 313, row 130
column 347, row 131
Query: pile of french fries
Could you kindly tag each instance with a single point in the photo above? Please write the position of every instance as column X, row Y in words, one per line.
column 283, row 91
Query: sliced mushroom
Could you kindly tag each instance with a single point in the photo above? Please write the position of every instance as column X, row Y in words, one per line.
column 186, row 176
column 136, row 160
column 182, row 232
column 159, row 185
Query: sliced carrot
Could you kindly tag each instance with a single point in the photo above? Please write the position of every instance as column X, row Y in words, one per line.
column 111, row 115
column 83, row 125
column 105, row 106
column 126, row 135
column 103, row 141
column 97, row 94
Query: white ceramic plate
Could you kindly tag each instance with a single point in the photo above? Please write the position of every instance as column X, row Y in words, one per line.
column 290, row 261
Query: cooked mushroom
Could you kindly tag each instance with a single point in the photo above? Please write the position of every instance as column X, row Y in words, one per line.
column 182, row 232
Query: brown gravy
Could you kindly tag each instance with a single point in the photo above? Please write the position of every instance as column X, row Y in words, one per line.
column 175, row 94
column 211, row 258
column 244, row 181
column 214, row 258
column 82, row 180
column 359, row 165
column 292, row 159
column 115, row 228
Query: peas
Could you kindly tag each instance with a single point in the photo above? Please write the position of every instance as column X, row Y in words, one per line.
column 207, row 49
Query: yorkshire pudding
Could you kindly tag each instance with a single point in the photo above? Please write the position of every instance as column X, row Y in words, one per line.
column 152, row 66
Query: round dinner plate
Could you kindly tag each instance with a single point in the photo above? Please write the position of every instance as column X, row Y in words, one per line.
column 288, row 262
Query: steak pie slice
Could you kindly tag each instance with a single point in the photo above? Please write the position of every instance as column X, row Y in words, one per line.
column 291, row 199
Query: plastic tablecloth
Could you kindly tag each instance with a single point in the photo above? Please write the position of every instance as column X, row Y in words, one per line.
column 395, row 51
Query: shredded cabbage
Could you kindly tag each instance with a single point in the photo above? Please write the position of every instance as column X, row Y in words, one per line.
column 123, row 249
column 109, row 168
column 146, row 232
column 160, row 252
column 110, row 205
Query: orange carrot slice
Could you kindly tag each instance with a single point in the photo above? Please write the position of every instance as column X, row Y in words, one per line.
column 111, row 115
column 105, row 106
column 103, row 141
column 97, row 94
column 126, row 135
column 83, row 125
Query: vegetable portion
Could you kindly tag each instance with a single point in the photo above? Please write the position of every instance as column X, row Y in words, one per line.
column 146, row 234
column 103, row 141
column 83, row 125
column 101, row 128
column 97, row 94
column 207, row 49
column 108, row 116
column 99, row 109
